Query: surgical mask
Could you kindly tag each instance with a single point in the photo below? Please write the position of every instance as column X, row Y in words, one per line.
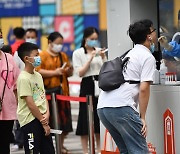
column 31, row 40
column 152, row 48
column 1, row 43
column 57, row 47
column 92, row 43
column 37, row 61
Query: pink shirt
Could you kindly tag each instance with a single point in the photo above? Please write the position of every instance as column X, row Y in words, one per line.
column 9, row 105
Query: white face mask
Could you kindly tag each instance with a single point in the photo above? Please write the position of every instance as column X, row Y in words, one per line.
column 31, row 40
column 1, row 43
column 57, row 47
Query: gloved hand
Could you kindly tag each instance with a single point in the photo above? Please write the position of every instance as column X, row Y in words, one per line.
column 164, row 43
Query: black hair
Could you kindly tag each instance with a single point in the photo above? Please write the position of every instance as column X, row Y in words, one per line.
column 139, row 31
column 19, row 32
column 53, row 36
column 88, row 32
column 25, row 49
column 7, row 49
column 32, row 30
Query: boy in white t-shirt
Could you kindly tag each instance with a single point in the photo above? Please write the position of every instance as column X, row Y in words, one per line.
column 117, row 109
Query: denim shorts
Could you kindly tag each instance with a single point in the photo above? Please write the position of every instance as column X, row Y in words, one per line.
column 124, row 125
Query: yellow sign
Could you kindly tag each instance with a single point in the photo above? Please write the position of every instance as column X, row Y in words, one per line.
column 176, row 10
column 102, row 15
column 72, row 7
column 8, row 24
column 44, row 42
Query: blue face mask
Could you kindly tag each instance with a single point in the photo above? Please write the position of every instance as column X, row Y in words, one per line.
column 152, row 48
column 37, row 61
column 31, row 40
column 92, row 43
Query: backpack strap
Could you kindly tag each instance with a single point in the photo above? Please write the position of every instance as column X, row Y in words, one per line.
column 132, row 82
column 124, row 64
column 124, row 54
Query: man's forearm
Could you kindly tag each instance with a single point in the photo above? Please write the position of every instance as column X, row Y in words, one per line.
column 143, row 100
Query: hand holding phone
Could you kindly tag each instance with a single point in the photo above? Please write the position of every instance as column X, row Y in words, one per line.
column 64, row 65
column 104, row 51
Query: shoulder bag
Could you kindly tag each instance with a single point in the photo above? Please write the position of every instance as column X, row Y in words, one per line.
column 5, row 83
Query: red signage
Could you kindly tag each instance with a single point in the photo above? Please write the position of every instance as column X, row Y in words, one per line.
column 169, row 145
column 65, row 25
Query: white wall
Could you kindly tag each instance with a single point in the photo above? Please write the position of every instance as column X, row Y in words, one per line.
column 143, row 9
column 118, row 17
column 120, row 13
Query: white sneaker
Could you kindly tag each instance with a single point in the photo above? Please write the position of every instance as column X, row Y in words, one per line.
column 14, row 148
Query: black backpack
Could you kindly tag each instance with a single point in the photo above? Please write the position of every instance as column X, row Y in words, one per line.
column 111, row 73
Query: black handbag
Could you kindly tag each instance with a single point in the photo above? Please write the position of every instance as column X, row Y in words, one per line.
column 56, row 90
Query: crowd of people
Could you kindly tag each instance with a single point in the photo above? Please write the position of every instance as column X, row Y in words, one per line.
column 28, row 74
column 32, row 73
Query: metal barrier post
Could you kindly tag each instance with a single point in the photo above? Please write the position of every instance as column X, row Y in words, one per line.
column 91, row 124
column 56, row 123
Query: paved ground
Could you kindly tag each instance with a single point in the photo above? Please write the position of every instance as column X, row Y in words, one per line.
column 72, row 142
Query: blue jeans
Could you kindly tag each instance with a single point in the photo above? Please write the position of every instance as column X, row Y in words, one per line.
column 124, row 125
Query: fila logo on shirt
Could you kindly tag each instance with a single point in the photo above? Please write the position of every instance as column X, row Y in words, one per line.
column 31, row 141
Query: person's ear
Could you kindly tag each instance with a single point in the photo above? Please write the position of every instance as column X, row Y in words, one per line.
column 150, row 38
column 25, row 58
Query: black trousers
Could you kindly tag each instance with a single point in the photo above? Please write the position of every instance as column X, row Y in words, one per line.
column 5, row 135
column 19, row 140
column 35, row 141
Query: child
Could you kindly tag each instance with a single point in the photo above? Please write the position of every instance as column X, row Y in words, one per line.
column 33, row 110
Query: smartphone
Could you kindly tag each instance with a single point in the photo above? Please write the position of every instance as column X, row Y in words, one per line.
column 104, row 51
column 64, row 65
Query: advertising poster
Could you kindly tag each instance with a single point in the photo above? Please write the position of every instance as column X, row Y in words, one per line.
column 47, row 9
column 102, row 15
column 47, row 25
column 46, row 1
column 8, row 24
column 91, row 6
column 91, row 20
column 65, row 25
column 72, row 7
column 11, row 8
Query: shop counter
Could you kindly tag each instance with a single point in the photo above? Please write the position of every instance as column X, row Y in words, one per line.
column 164, row 128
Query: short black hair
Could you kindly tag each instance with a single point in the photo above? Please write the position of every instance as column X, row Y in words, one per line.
column 25, row 49
column 7, row 49
column 53, row 36
column 139, row 30
column 19, row 32
column 32, row 30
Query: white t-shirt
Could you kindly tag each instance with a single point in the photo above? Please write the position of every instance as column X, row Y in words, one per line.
column 140, row 67
column 80, row 58
column 18, row 61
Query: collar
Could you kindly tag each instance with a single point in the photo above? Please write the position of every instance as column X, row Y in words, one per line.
column 142, row 47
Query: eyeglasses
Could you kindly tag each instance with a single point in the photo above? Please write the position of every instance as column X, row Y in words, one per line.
column 153, row 30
